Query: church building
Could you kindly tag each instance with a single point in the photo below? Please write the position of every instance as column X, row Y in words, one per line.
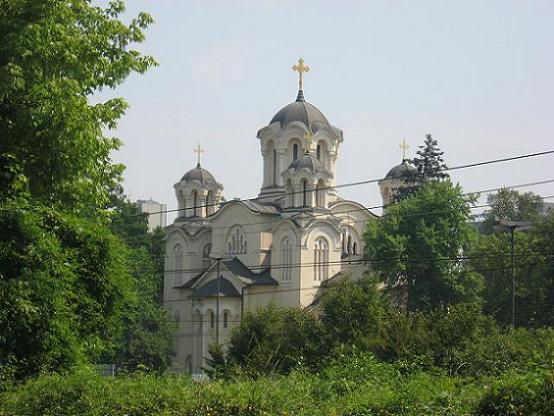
column 283, row 247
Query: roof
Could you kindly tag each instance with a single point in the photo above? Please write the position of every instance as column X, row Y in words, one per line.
column 261, row 207
column 199, row 174
column 308, row 162
column 398, row 171
column 238, row 268
column 210, row 289
column 303, row 111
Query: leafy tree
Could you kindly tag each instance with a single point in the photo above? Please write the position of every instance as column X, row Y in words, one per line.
column 275, row 340
column 147, row 339
column 509, row 204
column 64, row 281
column 428, row 165
column 53, row 56
column 533, row 254
column 418, row 244
column 353, row 312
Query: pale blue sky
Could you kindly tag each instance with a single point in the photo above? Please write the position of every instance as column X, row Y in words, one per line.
column 478, row 75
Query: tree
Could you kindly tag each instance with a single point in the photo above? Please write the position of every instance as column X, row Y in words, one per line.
column 511, row 205
column 427, row 166
column 417, row 247
column 352, row 312
column 275, row 340
column 534, row 274
column 53, row 56
column 64, row 280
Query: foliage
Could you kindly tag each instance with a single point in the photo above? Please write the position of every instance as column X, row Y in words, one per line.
column 533, row 269
column 53, row 56
column 511, row 205
column 63, row 289
column 417, row 248
column 274, row 340
column 352, row 312
column 428, row 165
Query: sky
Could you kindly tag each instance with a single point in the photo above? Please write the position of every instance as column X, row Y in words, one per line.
column 477, row 75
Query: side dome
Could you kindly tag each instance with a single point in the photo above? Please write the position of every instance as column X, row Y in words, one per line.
column 310, row 163
column 200, row 175
column 304, row 112
column 399, row 171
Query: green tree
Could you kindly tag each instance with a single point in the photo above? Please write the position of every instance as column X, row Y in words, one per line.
column 428, row 165
column 417, row 248
column 533, row 271
column 64, row 281
column 53, row 56
column 352, row 312
column 275, row 340
column 511, row 205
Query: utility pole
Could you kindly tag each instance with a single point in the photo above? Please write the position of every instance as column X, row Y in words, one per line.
column 217, row 303
column 513, row 226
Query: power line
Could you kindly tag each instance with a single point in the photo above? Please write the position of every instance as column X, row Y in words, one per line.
column 349, row 184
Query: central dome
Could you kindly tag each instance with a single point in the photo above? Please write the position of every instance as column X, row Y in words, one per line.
column 200, row 175
column 302, row 111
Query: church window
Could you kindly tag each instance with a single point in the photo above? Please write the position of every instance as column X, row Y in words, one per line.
column 319, row 151
column 211, row 317
column 321, row 259
column 355, row 248
column 178, row 264
column 349, row 245
column 209, row 203
column 274, row 173
column 236, row 244
column 225, row 319
column 304, row 193
column 290, row 194
column 319, row 193
column 295, row 151
column 206, row 252
column 194, row 203
column 286, row 250
column 177, row 316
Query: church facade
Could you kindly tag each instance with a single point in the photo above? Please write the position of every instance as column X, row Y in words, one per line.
column 283, row 247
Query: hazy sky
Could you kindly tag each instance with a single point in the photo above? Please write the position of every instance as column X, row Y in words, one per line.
column 478, row 75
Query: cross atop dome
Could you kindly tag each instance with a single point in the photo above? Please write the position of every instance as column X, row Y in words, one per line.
column 300, row 68
column 404, row 146
column 199, row 150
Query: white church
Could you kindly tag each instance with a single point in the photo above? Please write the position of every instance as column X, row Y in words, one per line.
column 283, row 247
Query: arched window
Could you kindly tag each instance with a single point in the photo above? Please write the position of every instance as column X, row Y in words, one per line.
column 349, row 245
column 274, row 173
column 236, row 243
column 321, row 259
column 295, row 151
column 177, row 316
column 211, row 318
column 318, row 153
column 304, row 193
column 290, row 194
column 210, row 200
column 188, row 363
column 178, row 264
column 286, row 254
column 355, row 248
column 319, row 190
column 194, row 203
column 225, row 319
column 206, row 252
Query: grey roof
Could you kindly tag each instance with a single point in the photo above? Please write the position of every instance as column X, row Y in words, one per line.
column 238, row 268
column 261, row 207
column 302, row 111
column 398, row 171
column 310, row 162
column 199, row 174
column 209, row 289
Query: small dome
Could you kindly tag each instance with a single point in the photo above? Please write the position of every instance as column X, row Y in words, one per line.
column 302, row 111
column 199, row 174
column 398, row 171
column 308, row 162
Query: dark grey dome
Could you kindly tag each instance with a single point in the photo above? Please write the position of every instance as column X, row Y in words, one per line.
column 309, row 162
column 399, row 170
column 302, row 111
column 199, row 174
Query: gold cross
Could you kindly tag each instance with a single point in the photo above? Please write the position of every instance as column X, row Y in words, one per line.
column 309, row 137
column 198, row 149
column 300, row 68
column 404, row 146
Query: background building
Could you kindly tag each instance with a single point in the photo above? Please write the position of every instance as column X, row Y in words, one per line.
column 157, row 213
